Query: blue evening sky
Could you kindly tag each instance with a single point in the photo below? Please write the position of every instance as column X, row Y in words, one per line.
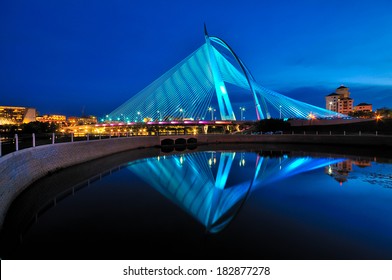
column 66, row 56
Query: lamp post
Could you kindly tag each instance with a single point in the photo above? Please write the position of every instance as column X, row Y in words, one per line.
column 330, row 105
column 160, row 115
column 242, row 109
column 280, row 111
column 182, row 112
column 212, row 112
column 138, row 113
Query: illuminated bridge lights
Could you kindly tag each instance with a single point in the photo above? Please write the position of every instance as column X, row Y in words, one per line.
column 198, row 86
column 167, row 123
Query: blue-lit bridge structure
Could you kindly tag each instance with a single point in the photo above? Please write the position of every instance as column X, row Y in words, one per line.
column 201, row 87
column 203, row 185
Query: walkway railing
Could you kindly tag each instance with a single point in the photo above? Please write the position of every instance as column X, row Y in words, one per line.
column 15, row 142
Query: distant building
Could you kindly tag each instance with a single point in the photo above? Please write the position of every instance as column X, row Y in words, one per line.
column 339, row 101
column 332, row 101
column 340, row 171
column 82, row 120
column 52, row 118
column 363, row 107
column 17, row 115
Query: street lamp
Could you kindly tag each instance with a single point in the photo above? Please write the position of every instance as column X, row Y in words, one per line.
column 138, row 113
column 182, row 112
column 280, row 111
column 160, row 115
column 242, row 109
column 330, row 105
column 212, row 112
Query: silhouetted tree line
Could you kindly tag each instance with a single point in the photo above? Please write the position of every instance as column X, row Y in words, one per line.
column 272, row 125
column 32, row 127
column 362, row 114
column 384, row 112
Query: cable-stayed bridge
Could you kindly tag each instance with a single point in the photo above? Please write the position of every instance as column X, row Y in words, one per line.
column 202, row 86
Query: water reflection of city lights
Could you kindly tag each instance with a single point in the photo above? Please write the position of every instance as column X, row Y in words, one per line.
column 212, row 159
column 181, row 160
column 242, row 160
column 280, row 163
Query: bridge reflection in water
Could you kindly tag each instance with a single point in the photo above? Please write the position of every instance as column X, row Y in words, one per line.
column 202, row 185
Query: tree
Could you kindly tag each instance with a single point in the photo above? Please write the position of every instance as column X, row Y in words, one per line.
column 384, row 112
column 362, row 114
column 272, row 125
column 38, row 127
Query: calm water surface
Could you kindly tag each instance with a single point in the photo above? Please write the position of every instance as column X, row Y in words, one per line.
column 210, row 205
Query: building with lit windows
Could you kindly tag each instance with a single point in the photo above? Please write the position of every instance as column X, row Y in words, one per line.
column 363, row 107
column 52, row 118
column 82, row 120
column 17, row 115
column 339, row 101
column 332, row 102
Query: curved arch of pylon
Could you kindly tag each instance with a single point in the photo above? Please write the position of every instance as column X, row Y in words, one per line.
column 188, row 90
column 249, row 78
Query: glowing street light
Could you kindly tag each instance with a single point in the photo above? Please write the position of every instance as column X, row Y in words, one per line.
column 138, row 113
column 212, row 110
column 242, row 109
column 160, row 115
column 280, row 111
column 311, row 116
column 182, row 112
column 330, row 105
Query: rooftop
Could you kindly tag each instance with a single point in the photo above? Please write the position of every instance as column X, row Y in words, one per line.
column 342, row 86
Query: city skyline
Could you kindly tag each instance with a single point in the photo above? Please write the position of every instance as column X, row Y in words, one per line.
column 65, row 58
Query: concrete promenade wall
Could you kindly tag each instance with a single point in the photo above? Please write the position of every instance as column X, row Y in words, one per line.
column 20, row 169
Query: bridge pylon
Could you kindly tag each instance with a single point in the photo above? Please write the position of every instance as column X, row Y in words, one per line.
column 225, row 108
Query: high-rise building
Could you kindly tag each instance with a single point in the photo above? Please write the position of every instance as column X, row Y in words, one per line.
column 17, row 115
column 339, row 101
column 331, row 101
